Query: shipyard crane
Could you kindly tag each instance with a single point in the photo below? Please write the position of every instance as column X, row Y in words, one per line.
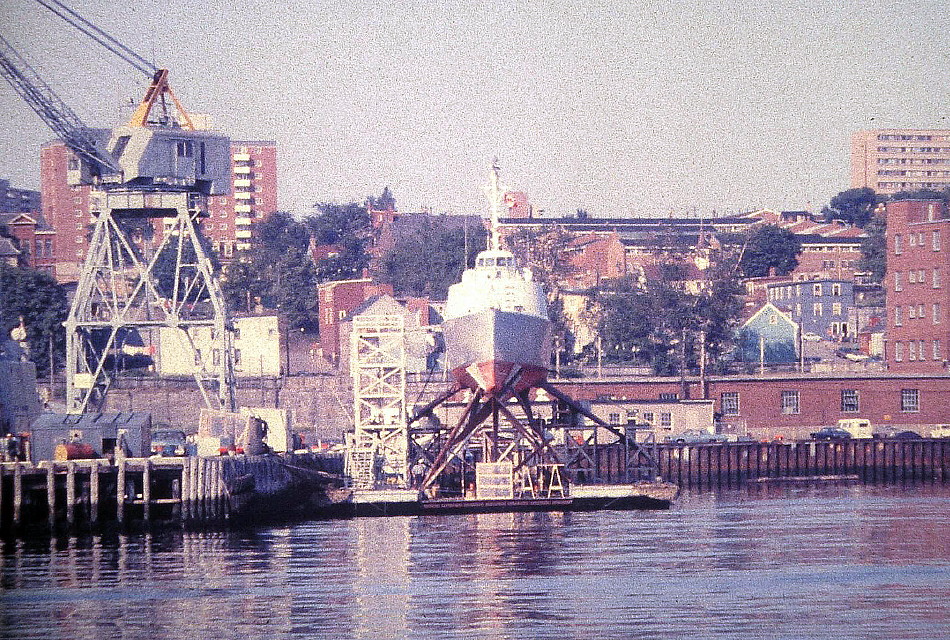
column 153, row 167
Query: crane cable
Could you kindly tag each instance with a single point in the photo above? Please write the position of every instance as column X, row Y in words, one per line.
column 100, row 36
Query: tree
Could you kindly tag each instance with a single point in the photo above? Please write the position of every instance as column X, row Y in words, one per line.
column 384, row 202
column 874, row 248
column 663, row 325
column 277, row 270
column 293, row 290
column 348, row 228
column 545, row 253
column 854, row 206
column 41, row 302
column 427, row 261
column 164, row 269
column 922, row 194
column 768, row 247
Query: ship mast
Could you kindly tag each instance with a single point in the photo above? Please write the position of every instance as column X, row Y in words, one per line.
column 494, row 199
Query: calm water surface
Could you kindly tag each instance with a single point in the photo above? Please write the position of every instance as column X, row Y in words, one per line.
column 760, row 562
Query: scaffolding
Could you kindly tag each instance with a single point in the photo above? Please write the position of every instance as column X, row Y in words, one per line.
column 378, row 448
column 128, row 289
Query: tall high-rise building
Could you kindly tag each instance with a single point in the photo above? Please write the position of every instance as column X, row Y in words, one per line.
column 894, row 160
column 253, row 197
column 67, row 209
column 918, row 286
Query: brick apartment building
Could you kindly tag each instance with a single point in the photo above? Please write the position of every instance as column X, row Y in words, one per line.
column 893, row 160
column 231, row 217
column 34, row 237
column 918, row 289
column 253, row 197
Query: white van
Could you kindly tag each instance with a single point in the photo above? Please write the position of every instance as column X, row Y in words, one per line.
column 857, row 427
column 940, row 431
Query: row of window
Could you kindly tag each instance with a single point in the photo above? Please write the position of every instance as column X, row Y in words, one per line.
column 791, row 401
column 666, row 418
column 917, row 312
column 44, row 248
column 885, row 186
column 913, row 149
column 917, row 240
column 817, row 289
column 907, row 136
column 912, row 161
column 828, row 248
column 817, row 310
column 917, row 276
column 912, row 174
column 917, row 350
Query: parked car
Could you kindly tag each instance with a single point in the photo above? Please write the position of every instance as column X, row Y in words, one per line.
column 697, row 436
column 905, row 435
column 171, row 442
column 831, row 433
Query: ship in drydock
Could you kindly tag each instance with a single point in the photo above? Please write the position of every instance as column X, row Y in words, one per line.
column 496, row 328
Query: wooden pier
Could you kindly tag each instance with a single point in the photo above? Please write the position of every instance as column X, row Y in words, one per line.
column 92, row 494
column 81, row 495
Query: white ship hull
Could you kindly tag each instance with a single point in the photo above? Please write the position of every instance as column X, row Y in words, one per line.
column 498, row 352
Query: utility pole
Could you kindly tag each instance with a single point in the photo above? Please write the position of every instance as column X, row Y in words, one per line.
column 684, row 389
column 600, row 358
column 702, row 365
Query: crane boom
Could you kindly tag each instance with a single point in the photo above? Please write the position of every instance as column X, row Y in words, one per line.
column 54, row 112
column 100, row 36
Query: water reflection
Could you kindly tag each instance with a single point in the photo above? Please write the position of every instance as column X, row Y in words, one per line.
column 762, row 561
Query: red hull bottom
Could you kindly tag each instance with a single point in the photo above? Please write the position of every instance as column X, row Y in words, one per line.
column 494, row 378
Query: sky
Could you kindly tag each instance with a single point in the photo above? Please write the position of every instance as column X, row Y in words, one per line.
column 620, row 107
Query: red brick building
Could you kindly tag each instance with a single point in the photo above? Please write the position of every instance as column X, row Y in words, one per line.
column 918, row 289
column 253, row 197
column 336, row 301
column 517, row 205
column 595, row 256
column 34, row 237
column 794, row 404
column 65, row 208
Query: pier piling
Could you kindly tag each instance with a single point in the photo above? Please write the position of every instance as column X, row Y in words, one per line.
column 120, row 491
column 147, row 491
column 94, row 494
column 51, row 494
column 70, row 493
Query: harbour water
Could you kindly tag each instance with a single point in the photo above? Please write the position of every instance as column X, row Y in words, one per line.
column 763, row 561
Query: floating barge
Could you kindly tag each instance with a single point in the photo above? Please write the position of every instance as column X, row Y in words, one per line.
column 644, row 495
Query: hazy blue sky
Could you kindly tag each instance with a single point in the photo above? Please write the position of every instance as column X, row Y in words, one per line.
column 620, row 107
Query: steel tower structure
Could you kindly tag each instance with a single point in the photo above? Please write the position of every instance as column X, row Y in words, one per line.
column 378, row 448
